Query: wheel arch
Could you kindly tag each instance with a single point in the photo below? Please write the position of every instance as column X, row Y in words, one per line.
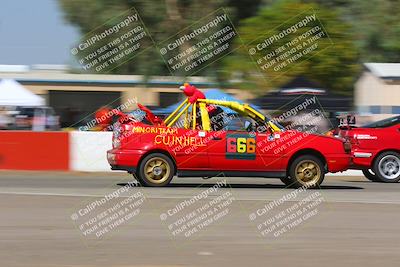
column 381, row 152
column 161, row 151
column 307, row 151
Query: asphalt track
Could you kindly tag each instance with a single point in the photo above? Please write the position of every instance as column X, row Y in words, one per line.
column 354, row 223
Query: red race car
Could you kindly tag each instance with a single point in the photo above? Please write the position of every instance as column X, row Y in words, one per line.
column 206, row 138
column 375, row 149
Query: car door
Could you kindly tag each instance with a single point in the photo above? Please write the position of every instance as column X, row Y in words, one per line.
column 233, row 150
column 190, row 149
column 187, row 143
column 240, row 150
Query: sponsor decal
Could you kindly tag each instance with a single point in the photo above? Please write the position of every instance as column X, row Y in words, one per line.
column 171, row 140
column 155, row 130
column 365, row 137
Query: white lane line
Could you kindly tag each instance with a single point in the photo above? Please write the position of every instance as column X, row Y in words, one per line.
column 205, row 253
column 50, row 194
column 397, row 202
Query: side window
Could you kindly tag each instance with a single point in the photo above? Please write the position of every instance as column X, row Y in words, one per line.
column 246, row 124
column 234, row 122
column 237, row 124
column 223, row 118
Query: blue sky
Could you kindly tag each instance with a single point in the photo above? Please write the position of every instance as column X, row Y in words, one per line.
column 34, row 32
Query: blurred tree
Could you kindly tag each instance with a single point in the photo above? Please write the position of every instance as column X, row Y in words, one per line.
column 242, row 9
column 375, row 24
column 163, row 19
column 334, row 68
column 376, row 27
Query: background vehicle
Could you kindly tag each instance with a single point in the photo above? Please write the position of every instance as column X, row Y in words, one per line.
column 375, row 149
column 194, row 141
column 36, row 118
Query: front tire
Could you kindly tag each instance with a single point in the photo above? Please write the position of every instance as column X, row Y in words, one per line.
column 307, row 171
column 370, row 175
column 156, row 170
column 387, row 167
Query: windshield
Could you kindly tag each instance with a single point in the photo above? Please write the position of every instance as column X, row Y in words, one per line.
column 383, row 123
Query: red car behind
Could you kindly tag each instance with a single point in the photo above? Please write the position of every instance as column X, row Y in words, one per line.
column 376, row 149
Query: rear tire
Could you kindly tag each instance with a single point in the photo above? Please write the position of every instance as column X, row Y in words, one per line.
column 306, row 170
column 387, row 167
column 370, row 175
column 156, row 170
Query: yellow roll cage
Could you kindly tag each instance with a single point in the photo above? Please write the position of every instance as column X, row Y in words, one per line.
column 190, row 119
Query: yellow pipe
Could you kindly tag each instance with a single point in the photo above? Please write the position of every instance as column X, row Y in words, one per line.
column 254, row 111
column 242, row 108
column 274, row 127
column 194, row 116
column 205, row 120
column 178, row 116
column 175, row 111
column 186, row 124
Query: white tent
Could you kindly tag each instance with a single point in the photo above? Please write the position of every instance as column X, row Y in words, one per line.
column 14, row 94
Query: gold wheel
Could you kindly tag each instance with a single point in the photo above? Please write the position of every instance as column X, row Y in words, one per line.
column 308, row 172
column 157, row 170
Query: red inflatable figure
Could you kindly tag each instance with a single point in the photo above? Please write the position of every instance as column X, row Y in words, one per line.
column 192, row 92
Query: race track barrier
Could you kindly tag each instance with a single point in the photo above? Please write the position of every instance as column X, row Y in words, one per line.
column 26, row 150
column 88, row 151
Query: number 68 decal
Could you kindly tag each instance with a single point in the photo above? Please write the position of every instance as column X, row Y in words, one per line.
column 240, row 146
